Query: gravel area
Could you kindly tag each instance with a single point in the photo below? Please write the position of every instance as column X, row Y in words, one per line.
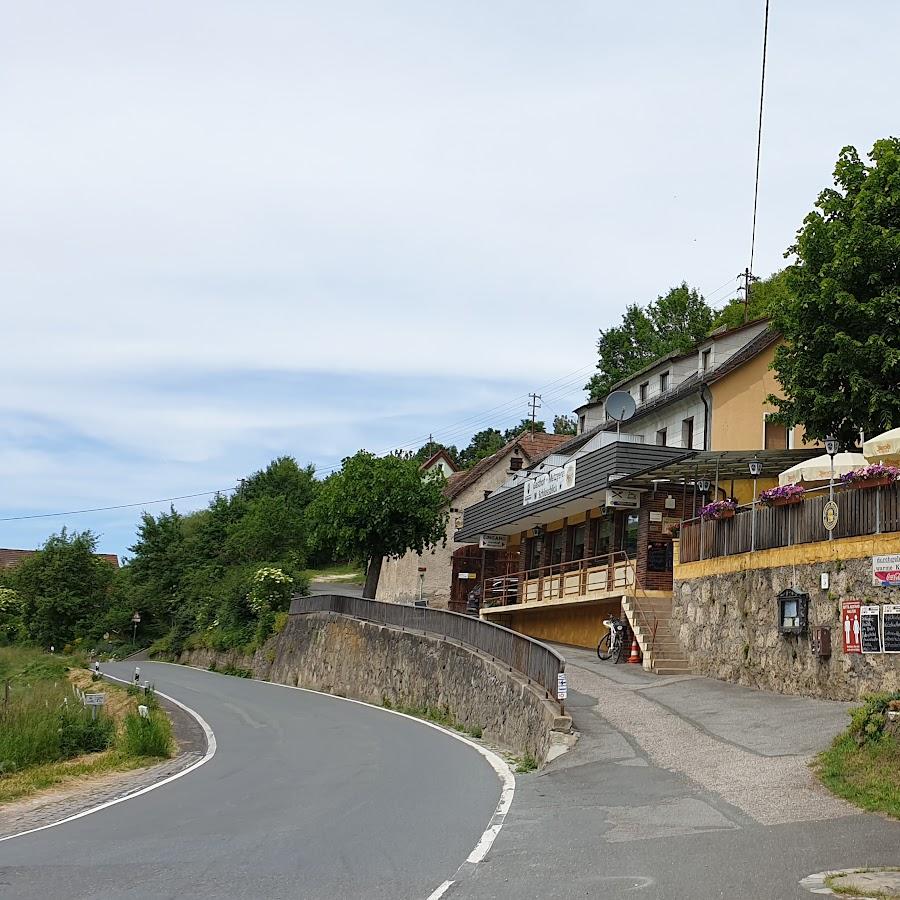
column 771, row 790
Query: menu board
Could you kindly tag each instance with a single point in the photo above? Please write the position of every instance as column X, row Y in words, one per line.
column 870, row 629
column 891, row 625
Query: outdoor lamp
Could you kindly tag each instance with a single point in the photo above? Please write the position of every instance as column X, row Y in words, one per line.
column 703, row 485
column 537, row 531
column 755, row 467
column 831, row 445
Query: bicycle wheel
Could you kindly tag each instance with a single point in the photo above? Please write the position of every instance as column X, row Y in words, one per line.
column 603, row 648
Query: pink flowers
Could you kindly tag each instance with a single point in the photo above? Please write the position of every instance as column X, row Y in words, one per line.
column 718, row 509
column 873, row 472
column 782, row 492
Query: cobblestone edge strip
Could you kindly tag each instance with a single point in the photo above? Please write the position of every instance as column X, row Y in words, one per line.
column 196, row 745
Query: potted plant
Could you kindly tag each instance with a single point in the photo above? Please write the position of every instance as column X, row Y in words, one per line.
column 783, row 495
column 718, row 509
column 871, row 476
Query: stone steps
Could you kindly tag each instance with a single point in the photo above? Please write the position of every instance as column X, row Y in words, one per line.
column 666, row 656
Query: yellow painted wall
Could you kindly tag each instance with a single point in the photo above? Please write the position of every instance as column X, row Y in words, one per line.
column 798, row 555
column 580, row 626
column 739, row 404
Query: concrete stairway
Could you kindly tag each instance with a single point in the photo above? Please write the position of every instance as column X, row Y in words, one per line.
column 666, row 656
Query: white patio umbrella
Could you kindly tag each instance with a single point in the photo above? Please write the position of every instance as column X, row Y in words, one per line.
column 819, row 468
column 884, row 448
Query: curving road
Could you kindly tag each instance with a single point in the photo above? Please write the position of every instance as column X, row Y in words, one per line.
column 307, row 796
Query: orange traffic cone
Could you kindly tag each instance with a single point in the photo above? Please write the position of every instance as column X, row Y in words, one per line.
column 635, row 656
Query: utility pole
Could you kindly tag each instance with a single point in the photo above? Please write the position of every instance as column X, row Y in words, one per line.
column 749, row 278
column 535, row 404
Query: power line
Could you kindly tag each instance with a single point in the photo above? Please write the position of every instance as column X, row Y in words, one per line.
column 762, row 90
column 76, row 512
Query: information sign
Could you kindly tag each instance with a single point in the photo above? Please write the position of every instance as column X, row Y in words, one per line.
column 891, row 627
column 886, row 570
column 850, row 626
column 492, row 541
column 562, row 686
column 94, row 699
column 870, row 629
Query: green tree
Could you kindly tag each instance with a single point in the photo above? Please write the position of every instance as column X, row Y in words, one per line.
column 522, row 428
column 673, row 323
column 484, row 443
column 840, row 364
column 565, row 425
column 376, row 507
column 429, row 448
column 62, row 589
column 766, row 295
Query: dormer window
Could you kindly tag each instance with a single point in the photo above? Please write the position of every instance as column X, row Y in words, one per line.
column 705, row 359
column 663, row 382
column 643, row 390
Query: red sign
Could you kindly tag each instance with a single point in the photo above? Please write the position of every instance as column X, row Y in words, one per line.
column 850, row 626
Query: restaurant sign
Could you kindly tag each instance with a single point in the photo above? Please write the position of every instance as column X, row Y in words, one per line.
column 546, row 484
column 886, row 570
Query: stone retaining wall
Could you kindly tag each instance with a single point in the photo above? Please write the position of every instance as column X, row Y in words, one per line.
column 351, row 658
column 727, row 624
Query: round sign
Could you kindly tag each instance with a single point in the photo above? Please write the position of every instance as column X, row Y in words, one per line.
column 830, row 515
column 136, row 617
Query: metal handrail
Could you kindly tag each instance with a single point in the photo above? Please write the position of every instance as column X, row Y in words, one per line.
column 531, row 658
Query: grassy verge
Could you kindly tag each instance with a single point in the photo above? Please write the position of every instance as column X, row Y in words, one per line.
column 343, row 573
column 863, row 764
column 437, row 714
column 47, row 737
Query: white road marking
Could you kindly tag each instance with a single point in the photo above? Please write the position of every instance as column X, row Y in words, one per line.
column 210, row 753
column 496, row 762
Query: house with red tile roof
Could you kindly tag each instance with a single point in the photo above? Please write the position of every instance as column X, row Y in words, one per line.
column 432, row 573
column 11, row 558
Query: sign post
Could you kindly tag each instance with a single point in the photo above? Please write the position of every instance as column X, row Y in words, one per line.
column 851, row 628
column 135, row 620
column 562, row 690
column 93, row 701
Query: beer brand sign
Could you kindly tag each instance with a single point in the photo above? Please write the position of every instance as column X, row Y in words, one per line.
column 549, row 483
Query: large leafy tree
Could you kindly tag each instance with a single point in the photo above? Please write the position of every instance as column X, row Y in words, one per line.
column 565, row 425
column 376, row 507
column 840, row 364
column 62, row 590
column 524, row 427
column 484, row 443
column 672, row 323
column 766, row 296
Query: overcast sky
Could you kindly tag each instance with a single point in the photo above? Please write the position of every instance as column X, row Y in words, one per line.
column 234, row 230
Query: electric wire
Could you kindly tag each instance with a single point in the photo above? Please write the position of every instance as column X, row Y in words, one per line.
column 762, row 89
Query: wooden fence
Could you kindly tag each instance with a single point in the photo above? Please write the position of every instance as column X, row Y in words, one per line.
column 861, row 511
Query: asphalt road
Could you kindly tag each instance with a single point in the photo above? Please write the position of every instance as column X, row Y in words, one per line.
column 307, row 796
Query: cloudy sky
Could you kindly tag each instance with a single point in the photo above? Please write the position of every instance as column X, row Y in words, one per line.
column 232, row 230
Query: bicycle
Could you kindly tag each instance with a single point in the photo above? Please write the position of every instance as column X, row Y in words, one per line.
column 611, row 642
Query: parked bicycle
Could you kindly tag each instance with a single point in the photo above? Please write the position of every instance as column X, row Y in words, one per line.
column 611, row 642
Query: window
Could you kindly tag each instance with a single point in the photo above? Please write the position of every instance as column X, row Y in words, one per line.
column 630, row 536
column 642, row 391
column 663, row 382
column 533, row 548
column 775, row 437
column 577, row 537
column 602, row 536
column 555, row 546
column 687, row 433
column 581, row 424
column 661, row 437
column 704, row 359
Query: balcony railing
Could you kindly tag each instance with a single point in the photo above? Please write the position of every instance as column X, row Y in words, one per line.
column 596, row 576
column 861, row 511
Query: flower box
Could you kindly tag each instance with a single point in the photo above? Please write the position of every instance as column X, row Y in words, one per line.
column 785, row 501
column 872, row 482
column 875, row 475
column 783, row 495
column 718, row 509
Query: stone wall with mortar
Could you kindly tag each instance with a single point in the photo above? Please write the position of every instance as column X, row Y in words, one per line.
column 727, row 624
column 350, row 658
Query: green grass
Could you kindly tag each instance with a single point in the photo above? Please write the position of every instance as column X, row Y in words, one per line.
column 841, row 890
column 526, row 763
column 341, row 573
column 440, row 715
column 867, row 775
column 146, row 737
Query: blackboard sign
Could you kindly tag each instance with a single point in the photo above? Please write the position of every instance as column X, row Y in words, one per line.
column 891, row 624
column 870, row 629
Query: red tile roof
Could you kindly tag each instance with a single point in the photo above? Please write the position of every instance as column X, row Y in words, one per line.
column 10, row 558
column 534, row 447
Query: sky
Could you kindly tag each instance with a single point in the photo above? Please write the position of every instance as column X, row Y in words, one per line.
column 231, row 231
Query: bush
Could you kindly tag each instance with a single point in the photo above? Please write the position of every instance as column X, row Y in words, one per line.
column 146, row 737
column 867, row 721
column 78, row 733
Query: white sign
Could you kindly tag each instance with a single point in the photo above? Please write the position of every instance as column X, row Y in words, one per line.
column 656, row 516
column 824, row 580
column 136, row 618
column 464, row 575
column 94, row 699
column 622, row 498
column 548, row 483
column 492, row 541
column 562, row 686
column 886, row 570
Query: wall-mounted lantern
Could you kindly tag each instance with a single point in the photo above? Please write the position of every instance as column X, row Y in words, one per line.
column 793, row 612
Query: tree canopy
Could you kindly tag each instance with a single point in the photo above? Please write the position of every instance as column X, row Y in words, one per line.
column 565, row 425
column 378, row 506
column 672, row 323
column 840, row 364
column 524, row 427
column 484, row 443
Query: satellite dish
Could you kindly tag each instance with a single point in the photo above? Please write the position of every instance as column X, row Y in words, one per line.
column 620, row 406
